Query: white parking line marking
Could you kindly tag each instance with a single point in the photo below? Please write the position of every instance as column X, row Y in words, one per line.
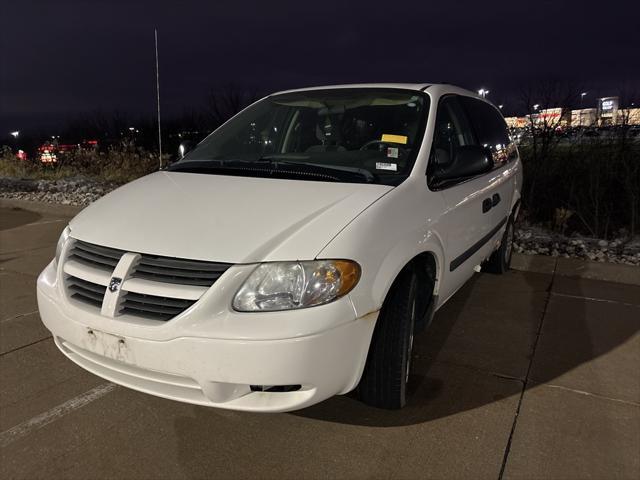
column 19, row 431
column 44, row 223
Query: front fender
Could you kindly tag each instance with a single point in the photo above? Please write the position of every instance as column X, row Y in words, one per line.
column 386, row 237
column 401, row 255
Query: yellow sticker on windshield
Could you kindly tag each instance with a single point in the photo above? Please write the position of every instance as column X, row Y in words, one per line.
column 394, row 138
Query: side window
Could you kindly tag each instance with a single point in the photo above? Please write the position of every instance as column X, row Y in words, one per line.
column 490, row 129
column 452, row 131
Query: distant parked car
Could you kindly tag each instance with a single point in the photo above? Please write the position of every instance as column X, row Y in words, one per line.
column 294, row 253
column 50, row 152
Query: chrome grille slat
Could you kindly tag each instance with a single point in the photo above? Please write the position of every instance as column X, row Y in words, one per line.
column 181, row 264
column 85, row 292
column 154, row 300
column 146, row 307
column 154, row 307
column 76, row 282
column 179, row 271
column 94, row 259
column 95, row 256
column 174, row 272
column 146, row 314
column 98, row 250
column 175, row 280
column 147, row 301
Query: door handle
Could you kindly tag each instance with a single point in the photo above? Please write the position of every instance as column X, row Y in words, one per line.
column 487, row 203
column 495, row 199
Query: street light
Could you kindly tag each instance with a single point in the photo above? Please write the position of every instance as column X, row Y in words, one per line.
column 15, row 134
column 536, row 106
column 500, row 106
column 483, row 93
column 582, row 95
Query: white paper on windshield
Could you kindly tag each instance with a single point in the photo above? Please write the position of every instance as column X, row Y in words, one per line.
column 387, row 166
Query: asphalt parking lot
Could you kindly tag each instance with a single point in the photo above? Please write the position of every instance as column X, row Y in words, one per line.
column 533, row 374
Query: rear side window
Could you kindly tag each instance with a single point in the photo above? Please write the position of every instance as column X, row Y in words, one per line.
column 490, row 129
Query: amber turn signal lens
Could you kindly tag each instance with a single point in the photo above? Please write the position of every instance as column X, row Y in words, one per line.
column 349, row 275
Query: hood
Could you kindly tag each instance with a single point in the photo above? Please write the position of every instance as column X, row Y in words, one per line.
column 223, row 218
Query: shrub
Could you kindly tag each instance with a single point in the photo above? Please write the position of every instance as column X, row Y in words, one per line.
column 586, row 185
column 119, row 165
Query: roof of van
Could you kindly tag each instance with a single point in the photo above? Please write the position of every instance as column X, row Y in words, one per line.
column 405, row 86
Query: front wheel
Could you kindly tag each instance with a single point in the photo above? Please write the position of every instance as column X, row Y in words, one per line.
column 500, row 260
column 386, row 373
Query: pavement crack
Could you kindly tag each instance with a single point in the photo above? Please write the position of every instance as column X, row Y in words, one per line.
column 593, row 299
column 18, row 316
column 27, row 250
column 475, row 369
column 507, row 449
column 24, row 346
column 508, row 377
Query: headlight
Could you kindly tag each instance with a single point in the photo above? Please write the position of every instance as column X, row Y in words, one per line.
column 291, row 285
column 64, row 236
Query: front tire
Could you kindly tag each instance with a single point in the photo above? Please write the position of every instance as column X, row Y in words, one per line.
column 500, row 261
column 386, row 373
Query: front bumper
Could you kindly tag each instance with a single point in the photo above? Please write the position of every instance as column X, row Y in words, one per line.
column 171, row 362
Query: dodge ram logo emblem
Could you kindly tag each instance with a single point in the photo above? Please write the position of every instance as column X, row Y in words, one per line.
column 114, row 284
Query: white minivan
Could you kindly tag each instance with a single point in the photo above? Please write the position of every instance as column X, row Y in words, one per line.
column 293, row 254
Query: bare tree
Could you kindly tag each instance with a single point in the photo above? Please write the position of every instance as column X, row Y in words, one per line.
column 225, row 102
column 536, row 98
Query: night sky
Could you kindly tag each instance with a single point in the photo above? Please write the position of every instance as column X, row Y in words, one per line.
column 60, row 58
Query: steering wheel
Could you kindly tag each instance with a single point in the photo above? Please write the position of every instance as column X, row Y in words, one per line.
column 367, row 146
column 371, row 143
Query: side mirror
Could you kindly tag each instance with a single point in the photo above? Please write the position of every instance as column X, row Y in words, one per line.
column 468, row 161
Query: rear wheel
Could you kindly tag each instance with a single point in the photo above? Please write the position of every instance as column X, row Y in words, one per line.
column 385, row 377
column 500, row 260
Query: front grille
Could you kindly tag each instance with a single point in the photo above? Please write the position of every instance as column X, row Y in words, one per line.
column 147, row 290
column 179, row 271
column 153, row 307
column 85, row 292
column 103, row 258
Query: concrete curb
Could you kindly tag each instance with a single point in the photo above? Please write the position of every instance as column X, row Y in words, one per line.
column 41, row 207
column 577, row 268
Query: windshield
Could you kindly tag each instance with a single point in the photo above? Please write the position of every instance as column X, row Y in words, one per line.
column 351, row 135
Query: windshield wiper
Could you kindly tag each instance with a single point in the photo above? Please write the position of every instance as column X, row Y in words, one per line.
column 276, row 160
column 203, row 165
column 273, row 163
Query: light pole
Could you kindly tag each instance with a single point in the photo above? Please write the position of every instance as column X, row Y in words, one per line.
column 582, row 95
column 534, row 116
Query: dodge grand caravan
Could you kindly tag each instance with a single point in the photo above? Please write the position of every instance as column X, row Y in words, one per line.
column 294, row 253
